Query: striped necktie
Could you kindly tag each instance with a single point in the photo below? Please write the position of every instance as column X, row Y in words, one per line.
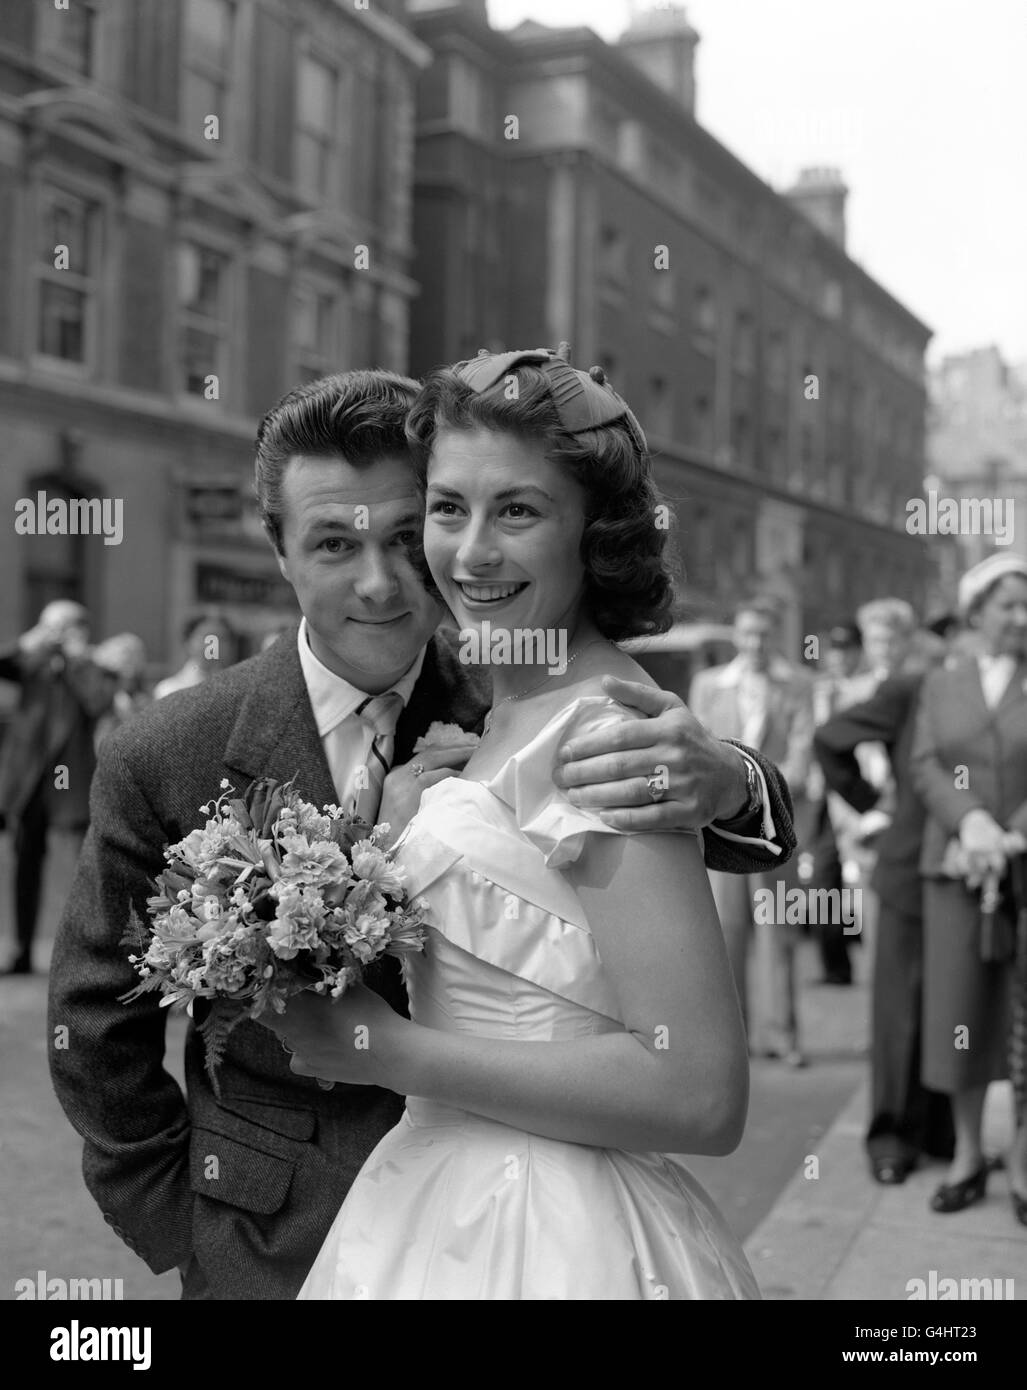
column 381, row 713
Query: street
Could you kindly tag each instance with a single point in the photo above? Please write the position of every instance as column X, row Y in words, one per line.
column 51, row 1223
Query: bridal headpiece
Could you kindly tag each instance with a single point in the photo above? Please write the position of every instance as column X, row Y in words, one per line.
column 583, row 400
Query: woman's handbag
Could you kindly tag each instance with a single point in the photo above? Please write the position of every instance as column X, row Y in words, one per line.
column 1003, row 903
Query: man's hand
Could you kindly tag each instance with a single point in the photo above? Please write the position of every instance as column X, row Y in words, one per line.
column 705, row 778
column 402, row 788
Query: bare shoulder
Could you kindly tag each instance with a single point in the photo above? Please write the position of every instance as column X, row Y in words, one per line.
column 610, row 661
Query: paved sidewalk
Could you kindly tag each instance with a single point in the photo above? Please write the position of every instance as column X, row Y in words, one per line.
column 842, row 1236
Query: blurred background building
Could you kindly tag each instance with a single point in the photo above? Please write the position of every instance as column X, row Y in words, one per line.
column 211, row 264
column 552, row 171
column 400, row 186
column 977, row 439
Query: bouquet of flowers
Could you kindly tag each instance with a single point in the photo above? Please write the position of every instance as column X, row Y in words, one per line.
column 270, row 898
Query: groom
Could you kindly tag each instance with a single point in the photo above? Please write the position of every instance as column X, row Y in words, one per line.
column 240, row 1193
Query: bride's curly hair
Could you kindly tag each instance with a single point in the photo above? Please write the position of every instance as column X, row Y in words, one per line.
column 627, row 556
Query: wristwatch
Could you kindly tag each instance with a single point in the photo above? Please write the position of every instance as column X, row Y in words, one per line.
column 754, row 798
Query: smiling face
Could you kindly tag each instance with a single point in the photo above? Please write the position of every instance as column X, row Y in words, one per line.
column 346, row 538
column 502, row 532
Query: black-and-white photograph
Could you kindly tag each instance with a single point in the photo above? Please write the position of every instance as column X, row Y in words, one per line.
column 513, row 658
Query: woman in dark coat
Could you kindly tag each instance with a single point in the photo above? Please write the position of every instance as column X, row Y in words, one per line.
column 969, row 765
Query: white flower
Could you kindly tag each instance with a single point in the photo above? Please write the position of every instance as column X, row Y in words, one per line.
column 371, row 865
column 318, row 862
column 440, row 735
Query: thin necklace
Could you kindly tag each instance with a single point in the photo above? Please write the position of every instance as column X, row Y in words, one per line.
column 538, row 684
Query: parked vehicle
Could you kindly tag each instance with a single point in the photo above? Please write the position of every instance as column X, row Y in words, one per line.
column 672, row 658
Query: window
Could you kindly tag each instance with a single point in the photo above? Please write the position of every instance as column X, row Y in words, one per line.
column 208, row 61
column 67, row 297
column 317, row 121
column 704, row 319
column 742, row 342
column 315, row 332
column 606, row 125
column 467, row 99
column 204, row 309
column 741, row 554
column 613, row 262
column 662, row 300
column 832, row 300
column 777, row 360
column 659, row 417
column 741, row 437
column 775, row 453
column 70, row 35
column 702, row 415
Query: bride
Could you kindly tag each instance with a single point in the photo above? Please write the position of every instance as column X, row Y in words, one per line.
column 574, row 1026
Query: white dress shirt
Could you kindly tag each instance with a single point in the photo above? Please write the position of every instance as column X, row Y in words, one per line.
column 345, row 737
column 996, row 673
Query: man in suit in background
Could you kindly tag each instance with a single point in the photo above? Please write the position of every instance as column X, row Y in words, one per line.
column 766, row 703
column 239, row 1191
column 47, row 760
column 905, row 1118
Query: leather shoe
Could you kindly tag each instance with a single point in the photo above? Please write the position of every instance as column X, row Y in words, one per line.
column 955, row 1196
column 890, row 1171
column 1019, row 1206
column 18, row 967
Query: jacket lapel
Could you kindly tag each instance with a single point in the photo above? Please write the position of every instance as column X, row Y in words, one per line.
column 1014, row 691
column 275, row 734
column 446, row 690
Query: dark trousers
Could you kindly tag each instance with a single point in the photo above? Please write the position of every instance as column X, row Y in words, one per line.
column 30, row 838
column 906, row 1118
column 827, row 873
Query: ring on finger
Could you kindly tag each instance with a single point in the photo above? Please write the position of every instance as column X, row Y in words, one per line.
column 656, row 786
column 417, row 769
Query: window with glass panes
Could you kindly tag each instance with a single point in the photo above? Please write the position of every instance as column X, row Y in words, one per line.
column 207, row 61
column 69, row 35
column 317, row 122
column 204, row 310
column 66, row 297
column 315, row 332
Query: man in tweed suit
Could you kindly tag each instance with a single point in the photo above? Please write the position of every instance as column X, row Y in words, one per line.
column 239, row 1193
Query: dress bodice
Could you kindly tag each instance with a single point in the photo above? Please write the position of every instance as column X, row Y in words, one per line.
column 509, row 951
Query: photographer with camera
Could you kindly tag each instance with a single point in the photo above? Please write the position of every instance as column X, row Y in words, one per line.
column 48, row 758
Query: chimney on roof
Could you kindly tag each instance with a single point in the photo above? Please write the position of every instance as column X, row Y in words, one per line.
column 661, row 42
column 820, row 194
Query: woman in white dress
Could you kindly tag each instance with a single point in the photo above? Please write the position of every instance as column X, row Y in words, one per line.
column 574, row 1026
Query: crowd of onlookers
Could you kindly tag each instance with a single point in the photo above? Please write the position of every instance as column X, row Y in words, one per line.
column 71, row 696
column 906, row 757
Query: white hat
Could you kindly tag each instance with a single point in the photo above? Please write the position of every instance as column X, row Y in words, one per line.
column 979, row 580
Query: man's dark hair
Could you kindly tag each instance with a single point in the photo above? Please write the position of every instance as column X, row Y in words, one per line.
column 355, row 416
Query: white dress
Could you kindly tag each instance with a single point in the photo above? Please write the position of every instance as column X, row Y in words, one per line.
column 454, row 1206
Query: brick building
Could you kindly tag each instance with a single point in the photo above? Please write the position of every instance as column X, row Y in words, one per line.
column 184, row 189
column 565, row 189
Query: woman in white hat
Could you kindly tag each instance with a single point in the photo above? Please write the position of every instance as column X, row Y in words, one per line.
column 970, row 767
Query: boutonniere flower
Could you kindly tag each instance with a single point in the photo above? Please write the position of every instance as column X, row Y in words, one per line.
column 440, row 735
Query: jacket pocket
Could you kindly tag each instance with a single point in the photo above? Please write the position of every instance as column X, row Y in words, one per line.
column 292, row 1121
column 239, row 1174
